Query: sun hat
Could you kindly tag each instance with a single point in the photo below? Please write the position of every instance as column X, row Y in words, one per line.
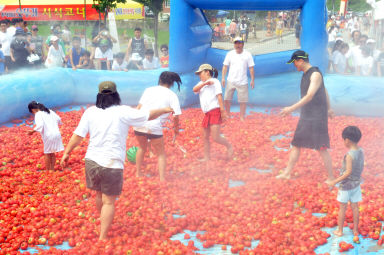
column 107, row 87
column 238, row 39
column 34, row 27
column 19, row 31
column 204, row 67
column 299, row 54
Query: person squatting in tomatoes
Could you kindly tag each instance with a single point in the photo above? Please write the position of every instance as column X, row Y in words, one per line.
column 107, row 124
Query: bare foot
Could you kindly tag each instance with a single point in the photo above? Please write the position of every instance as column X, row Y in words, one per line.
column 328, row 180
column 139, row 174
column 338, row 233
column 283, row 175
column 203, row 159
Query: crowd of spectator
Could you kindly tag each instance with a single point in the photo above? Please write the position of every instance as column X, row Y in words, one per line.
column 350, row 50
column 23, row 47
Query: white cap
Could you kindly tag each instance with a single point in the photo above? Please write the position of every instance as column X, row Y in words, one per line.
column 54, row 38
column 371, row 41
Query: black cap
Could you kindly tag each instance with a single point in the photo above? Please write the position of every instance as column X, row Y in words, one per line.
column 299, row 54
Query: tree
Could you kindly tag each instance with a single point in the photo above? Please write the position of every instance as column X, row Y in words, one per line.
column 103, row 6
column 353, row 5
column 156, row 6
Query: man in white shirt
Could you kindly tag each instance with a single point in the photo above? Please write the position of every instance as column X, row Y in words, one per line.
column 103, row 56
column 5, row 41
column 107, row 124
column 238, row 61
column 150, row 62
column 119, row 64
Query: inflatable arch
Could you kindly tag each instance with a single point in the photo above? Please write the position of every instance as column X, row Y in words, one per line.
column 190, row 42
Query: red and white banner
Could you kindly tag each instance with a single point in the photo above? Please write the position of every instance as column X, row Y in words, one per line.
column 49, row 12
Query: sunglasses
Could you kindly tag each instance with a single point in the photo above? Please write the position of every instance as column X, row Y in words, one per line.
column 35, row 29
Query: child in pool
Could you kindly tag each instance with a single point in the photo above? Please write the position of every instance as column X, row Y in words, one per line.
column 46, row 123
column 211, row 101
column 350, row 179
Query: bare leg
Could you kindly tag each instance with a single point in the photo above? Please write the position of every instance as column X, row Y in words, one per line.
column 216, row 136
column 340, row 219
column 107, row 214
column 243, row 107
column 99, row 201
column 143, row 143
column 158, row 145
column 293, row 157
column 327, row 163
column 355, row 211
column 47, row 161
column 227, row 105
column 53, row 161
column 207, row 145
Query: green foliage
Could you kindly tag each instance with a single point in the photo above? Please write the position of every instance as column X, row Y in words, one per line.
column 353, row 5
column 103, row 5
column 154, row 5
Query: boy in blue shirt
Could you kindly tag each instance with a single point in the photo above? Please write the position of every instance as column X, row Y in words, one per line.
column 350, row 179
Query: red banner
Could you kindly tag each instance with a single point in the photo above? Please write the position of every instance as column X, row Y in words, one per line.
column 50, row 12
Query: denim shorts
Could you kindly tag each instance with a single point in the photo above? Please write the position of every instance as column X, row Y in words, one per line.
column 352, row 195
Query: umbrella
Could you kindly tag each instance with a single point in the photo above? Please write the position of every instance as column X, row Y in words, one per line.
column 221, row 14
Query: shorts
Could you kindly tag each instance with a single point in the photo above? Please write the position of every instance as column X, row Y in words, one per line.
column 242, row 92
column 213, row 117
column 279, row 32
column 8, row 63
column 353, row 195
column 243, row 32
column 108, row 181
column 149, row 136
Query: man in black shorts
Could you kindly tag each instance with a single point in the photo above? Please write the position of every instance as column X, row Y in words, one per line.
column 107, row 124
column 312, row 129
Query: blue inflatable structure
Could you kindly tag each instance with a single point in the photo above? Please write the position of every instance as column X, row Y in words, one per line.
column 277, row 84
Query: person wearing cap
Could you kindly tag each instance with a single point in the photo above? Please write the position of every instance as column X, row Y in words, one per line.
column 211, row 102
column 107, row 124
column 237, row 62
column 55, row 56
column 151, row 133
column 103, row 55
column 20, row 50
column 312, row 130
column 55, row 31
column 37, row 43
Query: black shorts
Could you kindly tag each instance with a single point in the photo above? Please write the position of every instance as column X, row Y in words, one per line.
column 108, row 181
column 149, row 136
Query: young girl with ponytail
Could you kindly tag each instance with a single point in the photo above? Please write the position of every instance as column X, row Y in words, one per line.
column 211, row 101
column 151, row 134
column 46, row 123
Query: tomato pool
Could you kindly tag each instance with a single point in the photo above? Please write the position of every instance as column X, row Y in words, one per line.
column 222, row 207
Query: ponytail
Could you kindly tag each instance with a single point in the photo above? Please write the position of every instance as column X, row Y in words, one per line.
column 36, row 105
column 214, row 73
column 169, row 78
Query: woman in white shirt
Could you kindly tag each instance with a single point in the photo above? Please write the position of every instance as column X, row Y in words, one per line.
column 55, row 56
column 211, row 102
column 151, row 133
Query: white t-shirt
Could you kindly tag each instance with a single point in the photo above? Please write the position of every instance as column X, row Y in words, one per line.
column 11, row 31
column 354, row 54
column 340, row 61
column 107, row 55
column 55, row 57
column 108, row 130
column 151, row 65
column 47, row 124
column 117, row 67
column 154, row 98
column 366, row 64
column 5, row 41
column 238, row 66
column 208, row 95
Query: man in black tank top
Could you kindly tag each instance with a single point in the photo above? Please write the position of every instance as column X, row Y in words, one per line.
column 136, row 50
column 312, row 130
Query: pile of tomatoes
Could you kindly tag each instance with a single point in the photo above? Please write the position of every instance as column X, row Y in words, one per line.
column 52, row 207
